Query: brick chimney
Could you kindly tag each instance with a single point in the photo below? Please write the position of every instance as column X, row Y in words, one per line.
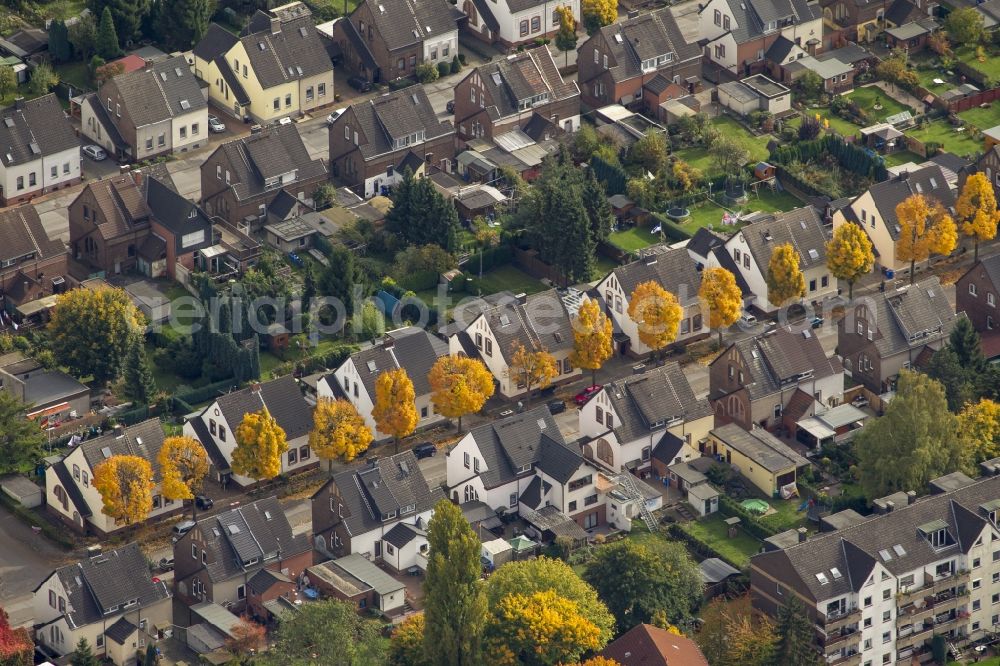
column 275, row 25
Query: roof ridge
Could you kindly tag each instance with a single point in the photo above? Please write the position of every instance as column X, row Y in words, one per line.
column 163, row 93
column 27, row 228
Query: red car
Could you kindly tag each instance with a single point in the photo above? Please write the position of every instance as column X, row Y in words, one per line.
column 586, row 394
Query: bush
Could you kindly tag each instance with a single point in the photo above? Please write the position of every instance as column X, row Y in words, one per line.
column 205, row 393
column 461, row 58
column 456, row 64
column 444, row 69
column 426, row 72
column 750, row 522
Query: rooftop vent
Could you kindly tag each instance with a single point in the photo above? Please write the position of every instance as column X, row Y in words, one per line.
column 802, row 223
column 404, row 467
column 541, row 424
column 267, row 515
column 163, row 76
column 234, row 529
column 618, row 38
column 496, row 78
column 381, row 9
column 178, row 71
column 813, row 254
column 262, row 46
column 8, row 121
column 767, row 236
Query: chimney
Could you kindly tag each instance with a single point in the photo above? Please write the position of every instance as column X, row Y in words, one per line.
column 275, row 25
column 889, row 506
column 119, row 430
column 255, row 388
column 633, row 13
column 256, row 129
column 911, row 497
column 94, row 551
column 19, row 103
column 372, row 461
column 802, row 534
column 522, row 298
column 137, row 177
column 387, row 341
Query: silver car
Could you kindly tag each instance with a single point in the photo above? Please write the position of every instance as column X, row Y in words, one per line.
column 95, row 153
column 216, row 125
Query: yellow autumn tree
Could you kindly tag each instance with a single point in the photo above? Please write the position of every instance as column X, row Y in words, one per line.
column 539, row 628
column 395, row 410
column 339, row 431
column 925, row 229
column 979, row 430
column 976, row 210
column 183, row 467
column 531, row 368
column 260, row 443
column 722, row 297
column 849, row 255
column 592, row 344
column 598, row 13
column 657, row 314
column 459, row 385
column 785, row 281
column 126, row 487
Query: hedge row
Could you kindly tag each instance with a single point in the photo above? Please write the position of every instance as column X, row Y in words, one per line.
column 419, row 280
column 670, row 228
column 749, row 521
column 701, row 548
column 205, row 393
column 132, row 416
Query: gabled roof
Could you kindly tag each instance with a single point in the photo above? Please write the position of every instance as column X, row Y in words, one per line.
column 801, row 227
column 22, row 234
column 751, row 18
column 671, row 268
column 104, row 119
column 646, row 36
column 646, row 645
column 912, row 317
column 405, row 22
column 901, row 12
column 34, row 128
column 397, row 115
column 120, row 631
column 283, row 401
column 216, row 42
column 288, row 51
column 161, row 91
column 122, row 207
column 930, row 181
column 778, row 359
column 655, row 398
column 542, row 321
column 411, row 348
column 402, row 534
column 990, row 266
column 173, row 211
column 486, row 15
column 69, row 485
column 232, row 80
column 272, row 152
column 780, row 49
column 142, row 439
column 521, row 77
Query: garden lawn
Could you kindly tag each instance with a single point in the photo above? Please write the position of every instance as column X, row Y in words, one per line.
column 837, row 124
column 902, row 157
column 63, row 9
column 983, row 119
column 941, row 131
column 700, row 158
column 268, row 362
column 786, row 514
column 709, row 214
column 509, row 278
column 75, row 74
column 991, row 66
column 715, row 532
column 865, row 98
column 927, row 76
column 633, row 239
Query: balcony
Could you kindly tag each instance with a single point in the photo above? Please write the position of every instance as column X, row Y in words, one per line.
column 912, row 614
column 935, row 584
column 834, row 621
column 916, row 637
column 837, row 638
column 850, row 658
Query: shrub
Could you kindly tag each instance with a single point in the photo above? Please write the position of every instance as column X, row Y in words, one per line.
column 426, row 72
column 444, row 69
column 456, row 64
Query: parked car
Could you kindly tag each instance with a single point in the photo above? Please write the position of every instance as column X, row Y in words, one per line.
column 204, row 503
column 425, row 450
column 586, row 394
column 215, row 125
column 860, row 401
column 165, row 564
column 359, row 83
column 816, row 322
column 95, row 153
column 556, row 407
column 748, row 319
column 182, row 528
column 450, row 106
column 332, row 118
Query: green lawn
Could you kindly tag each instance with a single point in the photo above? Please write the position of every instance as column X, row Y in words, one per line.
column 941, row 131
column 709, row 214
column 76, row 74
column 268, row 362
column 837, row 124
column 604, row 266
column 984, row 119
column 902, row 157
column 867, row 97
column 165, row 380
column 990, row 67
column 62, row 9
column 786, row 514
column 699, row 157
column 715, row 532
column 927, row 76
column 992, row 661
column 633, row 239
column 509, row 278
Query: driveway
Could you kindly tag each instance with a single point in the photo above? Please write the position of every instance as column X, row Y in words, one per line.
column 25, row 559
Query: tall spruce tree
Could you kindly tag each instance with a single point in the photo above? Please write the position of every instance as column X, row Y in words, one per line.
column 421, row 215
column 83, row 655
column 339, row 279
column 137, row 377
column 595, row 202
column 182, row 23
column 59, row 46
column 965, row 342
column 107, row 45
column 795, row 635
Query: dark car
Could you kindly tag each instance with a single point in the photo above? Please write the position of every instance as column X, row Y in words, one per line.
column 204, row 503
column 816, row 322
column 586, row 394
column 450, row 106
column 556, row 407
column 359, row 83
column 425, row 450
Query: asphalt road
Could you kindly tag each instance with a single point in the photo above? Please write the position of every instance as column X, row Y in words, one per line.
column 26, row 559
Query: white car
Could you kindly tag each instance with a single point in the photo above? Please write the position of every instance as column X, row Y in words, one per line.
column 216, row 125
column 332, row 118
column 95, row 153
column 285, row 121
column 748, row 319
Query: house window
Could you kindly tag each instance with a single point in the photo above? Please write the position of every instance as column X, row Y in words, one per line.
column 211, row 426
column 600, row 414
column 989, row 322
column 241, row 592
column 54, row 172
column 222, row 433
column 725, row 23
column 467, row 459
column 293, row 456
column 572, row 506
column 720, row 51
column 536, row 24
column 812, row 284
column 52, row 598
column 31, row 179
column 401, row 64
column 746, row 261
column 288, row 100
column 886, row 636
column 86, row 212
column 184, row 132
column 512, row 501
column 86, row 480
column 149, row 143
column 309, row 94
column 609, row 420
column 423, row 412
column 195, row 129
column 434, row 53
column 524, row 28
column 597, row 56
column 76, row 472
column 991, row 299
column 590, row 499
column 718, row 17
column 321, row 90
column 304, row 453
column 445, row 50
column 161, row 140
column 489, row 347
column 475, row 465
column 276, row 102
column 218, row 171
column 194, row 551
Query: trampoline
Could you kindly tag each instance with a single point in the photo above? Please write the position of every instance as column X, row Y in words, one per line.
column 758, row 506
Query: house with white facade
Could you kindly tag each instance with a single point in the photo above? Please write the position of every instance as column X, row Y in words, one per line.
column 380, row 511
column 510, row 23
column 110, row 599
column 39, row 151
column 70, row 494
column 412, row 349
column 540, row 322
column 645, row 423
column 672, row 269
column 215, row 427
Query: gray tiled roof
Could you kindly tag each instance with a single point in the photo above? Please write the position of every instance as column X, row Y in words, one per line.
column 911, row 317
column 657, row 34
column 855, row 549
column 750, row 18
column 142, row 439
column 929, row 181
column 120, row 631
column 541, row 322
column 779, row 357
column 294, row 52
column 520, row 77
column 397, row 114
column 412, row 349
column 760, row 446
column 487, row 15
column 34, row 125
column 179, row 215
column 671, row 268
column 160, row 91
column 405, row 22
column 75, row 495
column 283, row 399
column 402, row 534
column 22, row 233
column 660, row 394
column 216, row 42
column 801, row 227
column 272, row 152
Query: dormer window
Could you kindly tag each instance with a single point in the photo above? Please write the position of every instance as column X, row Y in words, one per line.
column 410, row 139
column 388, row 515
column 771, row 26
column 937, row 534
column 252, row 561
column 409, row 508
column 524, row 468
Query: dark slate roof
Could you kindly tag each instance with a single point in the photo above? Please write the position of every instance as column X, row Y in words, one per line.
column 255, row 158
column 120, row 631
column 667, row 448
column 777, row 359
column 102, row 117
column 912, row 317
column 72, row 490
column 216, row 42
column 671, row 268
column 283, row 400
column 657, row 34
column 760, row 446
column 214, row 454
column 520, row 440
column 522, row 76
column 359, row 44
column 901, row 12
column 801, row 227
column 487, row 15
column 396, row 115
column 232, row 80
column 854, row 549
column 22, row 233
column 110, row 579
column 282, row 205
column 780, row 49
column 660, row 394
column 159, row 92
column 405, row 22
column 531, row 496
column 293, row 52
column 142, row 439
column 750, row 18
column 991, row 265
column 265, row 579
column 388, row 485
column 513, row 322
column 34, row 128
column 412, row 349
column 929, row 181
column 179, row 215
column 726, row 261
column 123, row 208
column 402, row 534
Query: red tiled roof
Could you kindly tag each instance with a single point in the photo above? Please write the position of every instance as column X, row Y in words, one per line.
column 131, row 63
column 646, row 645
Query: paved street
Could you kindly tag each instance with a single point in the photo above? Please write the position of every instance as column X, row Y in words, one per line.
column 26, row 559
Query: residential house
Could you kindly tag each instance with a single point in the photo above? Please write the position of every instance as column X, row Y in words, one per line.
column 216, row 560
column 887, row 332
column 277, row 67
column 241, row 178
column 359, row 581
column 372, row 143
column 861, row 22
column 875, row 209
column 412, row 349
column 880, row 590
column 522, row 464
column 755, row 93
column 738, row 34
column 619, row 59
column 108, row 221
column 652, row 646
column 751, row 248
column 150, row 112
column 765, row 460
column 976, row 294
column 109, row 599
column 512, row 23
column 384, row 40
column 71, row 495
column 42, row 151
column 837, row 75
column 774, row 380
column 379, row 511
column 179, row 231
column 507, row 94
column 670, row 268
column 989, row 164
column 637, row 421
column 32, row 265
column 912, row 37
column 215, row 427
column 540, row 322
column 51, row 395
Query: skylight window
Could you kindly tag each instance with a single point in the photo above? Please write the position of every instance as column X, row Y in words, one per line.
column 504, row 320
column 302, row 31
column 178, row 71
column 813, row 254
column 106, row 452
column 899, row 550
column 371, row 366
column 821, row 577
column 185, row 104
column 835, row 572
column 163, row 76
column 920, row 188
column 8, row 121
column 234, row 529
column 933, row 183
column 885, row 555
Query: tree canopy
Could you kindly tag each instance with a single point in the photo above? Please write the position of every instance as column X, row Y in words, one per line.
column 260, row 443
column 183, row 467
column 395, row 410
column 339, row 431
column 849, row 254
column 21, row 440
column 785, row 281
column 926, row 228
column 531, row 368
column 421, row 215
column 540, row 628
column 965, row 26
column 976, row 210
column 126, row 487
column 459, row 385
column 592, row 338
column 329, row 632
column 721, row 297
column 657, row 314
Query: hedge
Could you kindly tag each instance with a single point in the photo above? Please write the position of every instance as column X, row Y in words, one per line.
column 729, row 507
column 27, row 515
column 612, row 175
column 701, row 548
column 205, row 393
column 670, row 229
column 132, row 416
column 419, row 280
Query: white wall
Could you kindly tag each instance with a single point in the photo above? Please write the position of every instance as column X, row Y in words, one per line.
column 71, row 157
column 510, row 23
column 186, row 121
column 448, row 40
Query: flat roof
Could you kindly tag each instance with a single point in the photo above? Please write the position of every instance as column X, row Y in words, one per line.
column 842, row 415
column 765, row 86
column 908, row 31
column 216, row 616
column 760, row 446
column 739, row 91
column 365, row 571
column 702, row 492
column 338, row 579
column 290, row 230
column 827, row 69
column 816, row 428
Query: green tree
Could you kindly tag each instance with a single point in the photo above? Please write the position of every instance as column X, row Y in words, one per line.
column 455, row 606
column 137, row 377
column 637, row 580
column 83, row 655
column 182, row 23
column 729, row 155
column 650, row 152
column 326, row 632
column 595, row 202
column 323, row 196
column 83, row 36
column 421, row 215
column 42, row 80
column 8, row 80
column 151, row 656
column 59, row 46
column 944, row 367
column 370, row 322
column 126, row 14
column 566, row 37
column 106, row 41
column 965, row 342
column 810, row 84
column 912, row 443
column 795, row 635
column 965, row 26
column 20, row 439
column 340, row 278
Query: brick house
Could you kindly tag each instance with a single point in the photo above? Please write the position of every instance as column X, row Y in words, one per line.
column 108, row 221
column 989, row 164
column 976, row 295
column 619, row 59
column 861, row 21
column 32, row 265
column 372, row 142
column 179, row 230
column 508, row 93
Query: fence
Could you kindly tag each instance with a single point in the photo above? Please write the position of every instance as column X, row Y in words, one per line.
column 973, row 101
column 528, row 261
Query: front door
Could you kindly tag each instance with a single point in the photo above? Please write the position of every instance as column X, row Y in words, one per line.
column 378, row 549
